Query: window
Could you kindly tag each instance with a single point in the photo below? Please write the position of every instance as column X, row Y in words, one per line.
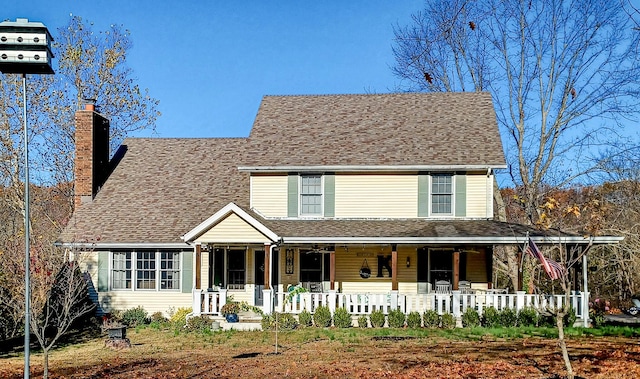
column 146, row 270
column 314, row 268
column 235, row 269
column 169, row 271
column 121, row 271
column 441, row 194
column 311, row 195
column 152, row 270
column 440, row 265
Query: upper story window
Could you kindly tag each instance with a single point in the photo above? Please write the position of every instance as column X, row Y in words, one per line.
column 152, row 270
column 311, row 195
column 441, row 194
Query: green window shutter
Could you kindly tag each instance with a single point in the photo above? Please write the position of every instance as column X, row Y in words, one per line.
column 461, row 195
column 187, row 271
column 292, row 196
column 423, row 195
column 329, row 195
column 103, row 271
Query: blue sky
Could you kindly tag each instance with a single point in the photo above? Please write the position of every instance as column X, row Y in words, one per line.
column 209, row 62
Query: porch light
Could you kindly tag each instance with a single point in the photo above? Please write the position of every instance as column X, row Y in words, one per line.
column 408, row 262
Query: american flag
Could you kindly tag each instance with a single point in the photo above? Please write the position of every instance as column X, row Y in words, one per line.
column 551, row 267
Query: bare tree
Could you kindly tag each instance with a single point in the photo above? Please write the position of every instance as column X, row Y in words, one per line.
column 59, row 298
column 91, row 64
column 564, row 76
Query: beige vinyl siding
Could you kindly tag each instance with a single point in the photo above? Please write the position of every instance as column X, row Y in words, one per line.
column 289, row 279
column 204, row 269
column 477, row 266
column 233, row 229
column 151, row 301
column 348, row 265
column 477, row 195
column 391, row 196
column 269, row 195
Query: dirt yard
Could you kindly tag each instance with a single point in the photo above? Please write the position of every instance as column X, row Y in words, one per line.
column 332, row 353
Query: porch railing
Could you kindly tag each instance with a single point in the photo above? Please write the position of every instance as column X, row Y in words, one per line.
column 456, row 303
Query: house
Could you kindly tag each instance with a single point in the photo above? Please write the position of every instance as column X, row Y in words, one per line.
column 365, row 200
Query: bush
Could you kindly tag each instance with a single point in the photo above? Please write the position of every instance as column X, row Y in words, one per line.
column 199, row 324
column 158, row 317
column 570, row 318
column 342, row 318
column 470, row 318
column 268, row 322
column 447, row 321
column 491, row 318
column 431, row 319
column 322, row 317
column 305, row 318
column 414, row 320
column 528, row 317
column 178, row 318
column 285, row 321
column 363, row 321
column 377, row 319
column 135, row 316
column 508, row 318
column 396, row 318
column 547, row 321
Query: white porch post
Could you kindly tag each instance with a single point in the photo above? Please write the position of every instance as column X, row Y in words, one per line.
column 267, row 304
column 196, row 302
column 456, row 303
column 223, row 297
column 519, row 300
column 585, row 293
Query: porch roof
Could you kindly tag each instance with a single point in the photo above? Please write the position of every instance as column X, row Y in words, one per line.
column 421, row 231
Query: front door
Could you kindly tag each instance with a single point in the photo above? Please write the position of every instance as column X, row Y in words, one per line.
column 259, row 277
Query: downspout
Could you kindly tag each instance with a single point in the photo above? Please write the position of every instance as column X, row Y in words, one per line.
column 271, row 248
column 585, row 293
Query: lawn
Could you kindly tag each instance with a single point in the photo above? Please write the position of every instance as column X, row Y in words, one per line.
column 343, row 353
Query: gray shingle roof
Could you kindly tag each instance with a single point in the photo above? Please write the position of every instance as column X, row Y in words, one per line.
column 405, row 228
column 389, row 129
column 162, row 188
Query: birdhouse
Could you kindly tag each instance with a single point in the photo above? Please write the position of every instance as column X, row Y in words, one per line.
column 25, row 47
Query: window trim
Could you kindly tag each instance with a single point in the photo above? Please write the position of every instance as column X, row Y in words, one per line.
column 451, row 212
column 301, row 194
column 157, row 270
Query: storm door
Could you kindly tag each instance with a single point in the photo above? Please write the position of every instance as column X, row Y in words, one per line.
column 259, row 277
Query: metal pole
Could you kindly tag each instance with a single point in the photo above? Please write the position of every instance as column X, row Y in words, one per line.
column 27, row 284
column 585, row 292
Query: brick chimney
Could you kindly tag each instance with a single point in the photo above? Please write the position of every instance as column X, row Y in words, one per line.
column 92, row 153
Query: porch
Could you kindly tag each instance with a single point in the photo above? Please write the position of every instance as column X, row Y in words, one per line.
column 455, row 303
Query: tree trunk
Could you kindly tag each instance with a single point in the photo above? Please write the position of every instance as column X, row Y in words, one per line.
column 45, row 356
column 563, row 344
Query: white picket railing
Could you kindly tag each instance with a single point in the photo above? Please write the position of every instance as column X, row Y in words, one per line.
column 456, row 303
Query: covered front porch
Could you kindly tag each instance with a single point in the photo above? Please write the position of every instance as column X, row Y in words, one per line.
column 365, row 265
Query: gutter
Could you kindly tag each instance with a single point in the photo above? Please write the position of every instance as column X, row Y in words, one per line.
column 389, row 168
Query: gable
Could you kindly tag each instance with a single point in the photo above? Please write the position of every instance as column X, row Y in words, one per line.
column 233, row 229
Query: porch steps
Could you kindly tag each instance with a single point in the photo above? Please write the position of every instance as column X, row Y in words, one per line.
column 245, row 325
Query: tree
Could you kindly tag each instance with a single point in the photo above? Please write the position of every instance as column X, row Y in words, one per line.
column 564, row 76
column 91, row 65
